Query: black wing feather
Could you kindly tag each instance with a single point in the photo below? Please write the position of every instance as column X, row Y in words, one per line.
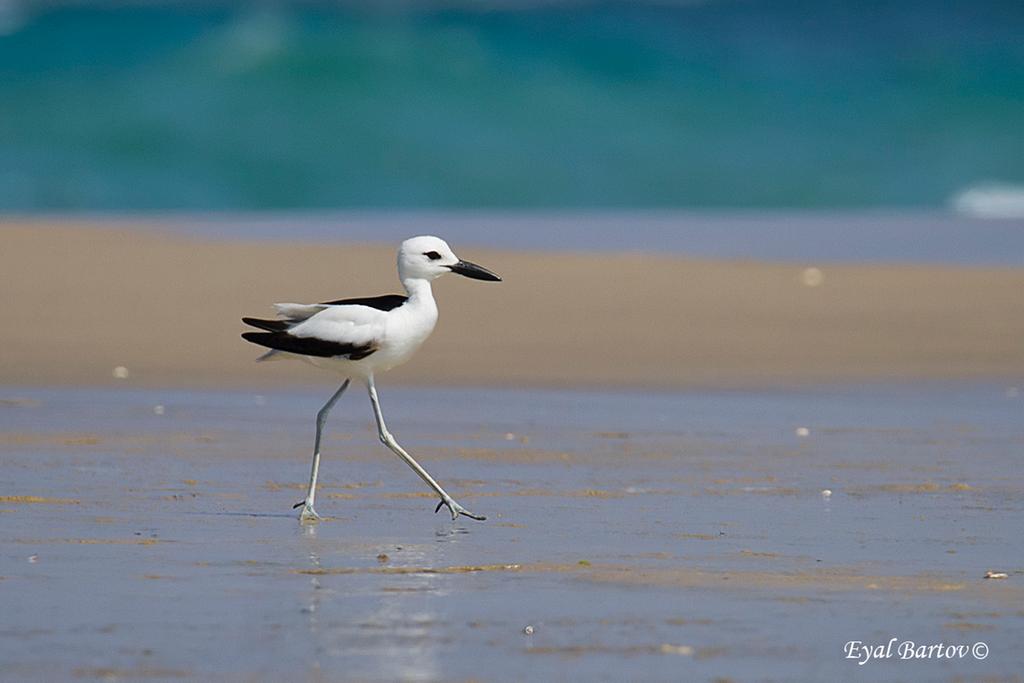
column 277, row 337
column 269, row 325
column 309, row 346
column 386, row 302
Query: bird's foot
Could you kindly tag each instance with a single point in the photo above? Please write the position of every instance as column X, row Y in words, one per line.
column 308, row 514
column 457, row 510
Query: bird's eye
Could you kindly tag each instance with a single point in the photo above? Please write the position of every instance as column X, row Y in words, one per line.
column 432, row 255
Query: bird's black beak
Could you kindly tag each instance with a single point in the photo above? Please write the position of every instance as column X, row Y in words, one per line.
column 474, row 271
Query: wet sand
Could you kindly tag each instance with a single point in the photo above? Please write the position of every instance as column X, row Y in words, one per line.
column 79, row 302
column 148, row 535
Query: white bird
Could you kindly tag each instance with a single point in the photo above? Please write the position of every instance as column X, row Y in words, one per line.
column 359, row 337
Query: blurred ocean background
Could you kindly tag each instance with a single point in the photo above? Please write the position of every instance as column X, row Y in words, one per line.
column 747, row 106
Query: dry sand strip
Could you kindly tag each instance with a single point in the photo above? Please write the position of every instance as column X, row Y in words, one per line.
column 80, row 300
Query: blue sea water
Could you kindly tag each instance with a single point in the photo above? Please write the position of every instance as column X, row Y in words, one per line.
column 746, row 104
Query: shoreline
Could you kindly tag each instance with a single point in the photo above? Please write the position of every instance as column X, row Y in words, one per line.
column 80, row 302
column 894, row 237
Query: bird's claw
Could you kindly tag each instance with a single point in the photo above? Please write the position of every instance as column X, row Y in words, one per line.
column 308, row 514
column 457, row 510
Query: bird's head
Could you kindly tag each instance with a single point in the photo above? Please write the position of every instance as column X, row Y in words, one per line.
column 428, row 257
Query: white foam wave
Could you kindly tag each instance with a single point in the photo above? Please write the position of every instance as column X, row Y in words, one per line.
column 990, row 200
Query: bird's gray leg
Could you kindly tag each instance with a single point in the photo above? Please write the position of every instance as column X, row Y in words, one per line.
column 308, row 514
column 389, row 441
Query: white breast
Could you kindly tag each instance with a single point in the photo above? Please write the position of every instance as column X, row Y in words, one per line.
column 405, row 330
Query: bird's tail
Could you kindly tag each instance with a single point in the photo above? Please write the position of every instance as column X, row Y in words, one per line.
column 294, row 313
